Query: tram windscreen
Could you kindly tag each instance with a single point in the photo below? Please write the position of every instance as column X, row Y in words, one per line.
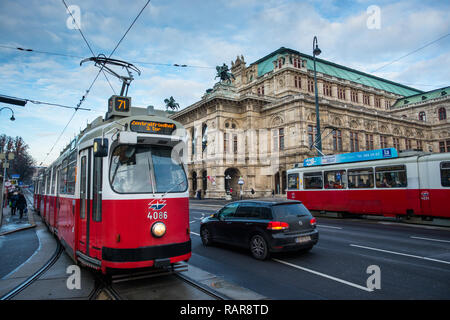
column 146, row 169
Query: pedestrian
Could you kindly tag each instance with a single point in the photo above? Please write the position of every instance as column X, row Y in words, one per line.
column 14, row 199
column 21, row 204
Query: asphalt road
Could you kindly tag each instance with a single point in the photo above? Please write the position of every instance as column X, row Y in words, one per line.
column 413, row 262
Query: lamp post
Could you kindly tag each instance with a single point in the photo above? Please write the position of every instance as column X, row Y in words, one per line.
column 316, row 52
column 12, row 117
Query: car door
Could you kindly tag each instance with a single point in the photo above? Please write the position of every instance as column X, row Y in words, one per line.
column 242, row 223
column 222, row 227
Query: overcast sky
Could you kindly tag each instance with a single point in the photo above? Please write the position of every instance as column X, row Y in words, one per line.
column 200, row 34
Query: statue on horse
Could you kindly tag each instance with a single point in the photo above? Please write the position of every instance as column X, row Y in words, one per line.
column 224, row 74
column 170, row 103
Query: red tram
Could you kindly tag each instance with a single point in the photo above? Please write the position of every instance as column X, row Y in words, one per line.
column 117, row 196
column 407, row 184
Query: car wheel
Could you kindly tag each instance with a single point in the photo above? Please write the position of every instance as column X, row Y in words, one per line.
column 259, row 247
column 206, row 236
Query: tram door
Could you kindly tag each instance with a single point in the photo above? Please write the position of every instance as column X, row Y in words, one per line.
column 84, row 214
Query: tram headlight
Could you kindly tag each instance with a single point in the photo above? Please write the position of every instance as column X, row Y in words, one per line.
column 158, row 229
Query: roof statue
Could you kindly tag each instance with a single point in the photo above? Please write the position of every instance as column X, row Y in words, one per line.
column 224, row 74
column 170, row 103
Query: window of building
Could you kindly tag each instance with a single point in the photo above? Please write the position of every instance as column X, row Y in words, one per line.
column 445, row 174
column 442, row 114
column 335, row 179
column 354, row 142
column 193, row 139
column 261, row 91
column 366, row 99
column 419, row 145
column 298, row 82
column 391, row 177
column 422, row 116
column 235, row 143
column 377, row 102
column 387, row 104
column 225, row 143
column 369, row 141
column 313, row 180
column 327, row 89
column 444, row 146
column 383, row 141
column 396, row 143
column 341, row 93
column 311, row 85
column 408, row 145
column 204, row 137
column 281, row 138
column 337, row 140
column 354, row 96
column 360, row 178
column 311, row 134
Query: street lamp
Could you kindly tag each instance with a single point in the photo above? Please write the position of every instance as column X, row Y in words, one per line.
column 12, row 117
column 316, row 52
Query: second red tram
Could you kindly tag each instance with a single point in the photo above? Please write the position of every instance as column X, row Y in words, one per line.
column 117, row 196
column 414, row 184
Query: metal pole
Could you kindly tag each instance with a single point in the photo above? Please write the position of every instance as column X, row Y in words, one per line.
column 318, row 141
column 3, row 188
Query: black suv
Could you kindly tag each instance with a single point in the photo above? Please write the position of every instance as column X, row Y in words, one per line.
column 262, row 226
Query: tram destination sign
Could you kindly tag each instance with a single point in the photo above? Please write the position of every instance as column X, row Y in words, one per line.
column 156, row 127
column 386, row 153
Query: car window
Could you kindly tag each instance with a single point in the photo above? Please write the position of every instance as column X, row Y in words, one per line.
column 246, row 210
column 229, row 210
column 281, row 211
column 265, row 213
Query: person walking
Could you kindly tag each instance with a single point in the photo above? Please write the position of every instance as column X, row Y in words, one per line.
column 21, row 204
column 14, row 199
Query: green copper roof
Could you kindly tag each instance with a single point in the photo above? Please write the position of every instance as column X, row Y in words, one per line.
column 265, row 65
column 424, row 96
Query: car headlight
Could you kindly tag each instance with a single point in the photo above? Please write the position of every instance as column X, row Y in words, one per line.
column 158, row 229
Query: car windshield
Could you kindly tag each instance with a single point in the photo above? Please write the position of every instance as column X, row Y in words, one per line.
column 146, row 169
column 281, row 211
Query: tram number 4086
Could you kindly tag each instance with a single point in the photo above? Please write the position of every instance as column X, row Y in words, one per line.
column 157, row 215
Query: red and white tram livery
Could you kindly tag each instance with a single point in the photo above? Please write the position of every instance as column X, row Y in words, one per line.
column 380, row 182
column 117, row 196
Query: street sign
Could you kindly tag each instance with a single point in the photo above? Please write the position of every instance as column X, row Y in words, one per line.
column 15, row 176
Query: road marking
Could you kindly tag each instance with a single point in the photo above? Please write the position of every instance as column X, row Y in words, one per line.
column 195, row 233
column 400, row 254
column 431, row 239
column 192, row 221
column 325, row 226
column 325, row 275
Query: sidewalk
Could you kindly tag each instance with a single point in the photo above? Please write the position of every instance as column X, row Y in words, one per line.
column 12, row 223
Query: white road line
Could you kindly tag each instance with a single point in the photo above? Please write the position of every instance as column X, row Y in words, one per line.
column 325, row 226
column 400, row 254
column 192, row 221
column 324, row 275
column 431, row 239
column 195, row 233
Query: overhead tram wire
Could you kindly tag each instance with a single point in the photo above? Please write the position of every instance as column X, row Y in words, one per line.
column 177, row 65
column 87, row 43
column 93, row 82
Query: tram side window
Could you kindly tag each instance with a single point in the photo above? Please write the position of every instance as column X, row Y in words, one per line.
column 63, row 177
column 293, row 181
column 445, row 174
column 53, row 181
column 360, row 178
column 71, row 172
column 391, row 177
column 313, row 180
column 47, row 183
column 335, row 179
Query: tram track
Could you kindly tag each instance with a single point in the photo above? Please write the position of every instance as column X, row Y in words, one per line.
column 162, row 284
column 35, row 276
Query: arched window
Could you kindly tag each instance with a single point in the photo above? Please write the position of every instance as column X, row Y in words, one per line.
column 204, row 137
column 442, row 114
column 422, row 116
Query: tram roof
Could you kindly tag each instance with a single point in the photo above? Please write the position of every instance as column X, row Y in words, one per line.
column 356, row 157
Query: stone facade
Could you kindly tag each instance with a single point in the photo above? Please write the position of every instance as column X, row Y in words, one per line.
column 263, row 123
